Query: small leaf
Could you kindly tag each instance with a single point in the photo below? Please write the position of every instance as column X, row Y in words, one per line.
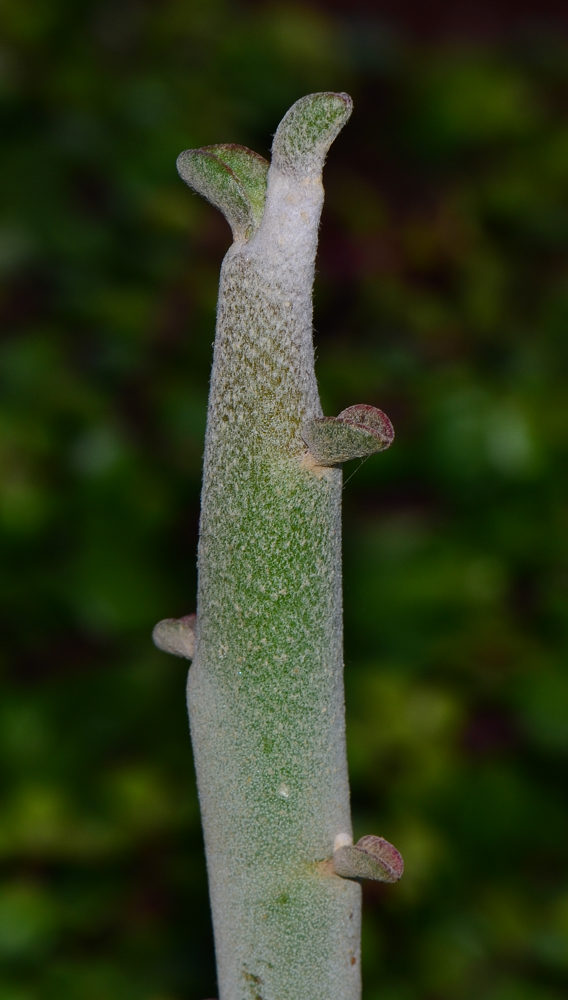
column 372, row 858
column 357, row 432
column 232, row 178
column 307, row 131
column 250, row 169
column 176, row 635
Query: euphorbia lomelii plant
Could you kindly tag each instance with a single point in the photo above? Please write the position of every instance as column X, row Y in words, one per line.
column 265, row 689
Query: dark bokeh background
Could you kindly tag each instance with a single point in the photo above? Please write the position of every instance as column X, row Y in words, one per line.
column 442, row 296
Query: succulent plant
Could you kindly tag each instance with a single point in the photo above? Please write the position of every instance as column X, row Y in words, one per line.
column 265, row 689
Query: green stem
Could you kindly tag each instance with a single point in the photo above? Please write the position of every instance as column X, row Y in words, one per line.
column 265, row 691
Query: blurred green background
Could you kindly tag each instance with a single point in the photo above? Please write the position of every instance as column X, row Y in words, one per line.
column 442, row 297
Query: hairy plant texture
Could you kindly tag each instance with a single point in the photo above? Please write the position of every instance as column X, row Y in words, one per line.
column 265, row 690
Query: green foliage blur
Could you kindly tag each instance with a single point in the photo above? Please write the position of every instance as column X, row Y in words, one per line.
column 442, row 297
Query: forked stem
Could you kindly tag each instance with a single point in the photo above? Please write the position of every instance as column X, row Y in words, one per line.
column 265, row 691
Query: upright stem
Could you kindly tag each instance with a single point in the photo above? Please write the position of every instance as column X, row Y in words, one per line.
column 266, row 688
column 265, row 691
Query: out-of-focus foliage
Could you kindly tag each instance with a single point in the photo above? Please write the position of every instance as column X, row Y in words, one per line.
column 442, row 297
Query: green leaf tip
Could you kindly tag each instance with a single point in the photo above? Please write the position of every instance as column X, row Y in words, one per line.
column 371, row 858
column 307, row 131
column 357, row 432
column 176, row 635
column 232, row 178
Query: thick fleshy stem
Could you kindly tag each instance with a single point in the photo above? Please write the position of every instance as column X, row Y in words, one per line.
column 265, row 690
